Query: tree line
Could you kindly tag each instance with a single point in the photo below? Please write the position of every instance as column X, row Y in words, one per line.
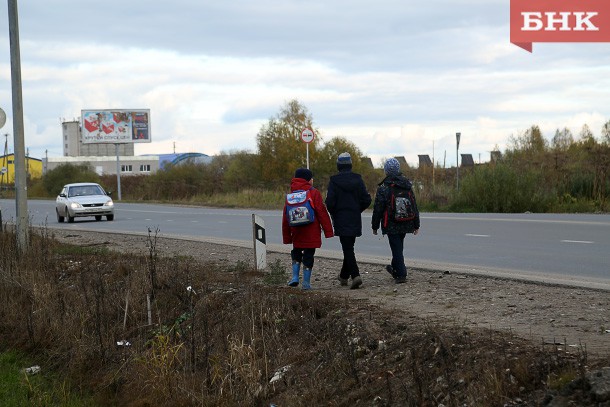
column 567, row 174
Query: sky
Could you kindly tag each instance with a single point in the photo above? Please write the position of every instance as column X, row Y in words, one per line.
column 395, row 77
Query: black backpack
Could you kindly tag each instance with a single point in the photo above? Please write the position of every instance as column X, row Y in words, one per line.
column 402, row 204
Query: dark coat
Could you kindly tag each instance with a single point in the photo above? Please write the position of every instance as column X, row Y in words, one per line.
column 307, row 236
column 346, row 199
column 382, row 202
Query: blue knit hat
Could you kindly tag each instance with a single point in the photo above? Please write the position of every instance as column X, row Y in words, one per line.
column 392, row 167
column 304, row 173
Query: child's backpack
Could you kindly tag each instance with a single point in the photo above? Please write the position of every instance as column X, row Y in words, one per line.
column 299, row 208
column 402, row 205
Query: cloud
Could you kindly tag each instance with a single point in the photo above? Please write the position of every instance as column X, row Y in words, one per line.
column 395, row 78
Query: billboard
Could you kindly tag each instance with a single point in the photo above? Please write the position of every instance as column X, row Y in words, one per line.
column 115, row 126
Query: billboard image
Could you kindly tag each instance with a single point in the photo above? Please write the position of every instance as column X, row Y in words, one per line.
column 115, row 126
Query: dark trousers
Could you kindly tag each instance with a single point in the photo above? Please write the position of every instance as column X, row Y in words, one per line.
column 349, row 267
column 398, row 259
column 304, row 256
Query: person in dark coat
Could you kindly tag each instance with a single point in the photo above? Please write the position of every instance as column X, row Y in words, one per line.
column 396, row 231
column 346, row 199
column 305, row 239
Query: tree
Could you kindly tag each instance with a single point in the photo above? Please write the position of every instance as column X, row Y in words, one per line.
column 586, row 137
column 280, row 148
column 326, row 158
column 562, row 140
column 606, row 133
column 530, row 141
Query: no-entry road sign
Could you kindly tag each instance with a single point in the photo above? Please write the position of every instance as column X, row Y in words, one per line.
column 307, row 135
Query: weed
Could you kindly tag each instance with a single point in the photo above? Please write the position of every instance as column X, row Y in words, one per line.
column 215, row 342
column 277, row 274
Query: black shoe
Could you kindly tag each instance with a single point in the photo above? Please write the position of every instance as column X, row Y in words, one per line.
column 391, row 270
column 400, row 280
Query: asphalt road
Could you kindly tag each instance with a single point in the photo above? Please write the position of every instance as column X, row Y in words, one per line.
column 545, row 247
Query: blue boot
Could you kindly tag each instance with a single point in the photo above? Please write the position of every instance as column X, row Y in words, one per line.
column 296, row 268
column 306, row 279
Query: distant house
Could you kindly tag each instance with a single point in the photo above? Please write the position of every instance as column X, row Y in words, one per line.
column 367, row 162
column 467, row 160
column 33, row 168
column 129, row 165
column 424, row 160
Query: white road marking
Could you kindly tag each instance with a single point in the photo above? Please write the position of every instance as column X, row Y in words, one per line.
column 578, row 241
column 472, row 235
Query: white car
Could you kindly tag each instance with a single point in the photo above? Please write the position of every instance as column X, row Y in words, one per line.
column 83, row 199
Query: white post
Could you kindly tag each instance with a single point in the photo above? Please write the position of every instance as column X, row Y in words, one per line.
column 260, row 242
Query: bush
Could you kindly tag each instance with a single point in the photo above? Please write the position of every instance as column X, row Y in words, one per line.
column 54, row 180
column 499, row 188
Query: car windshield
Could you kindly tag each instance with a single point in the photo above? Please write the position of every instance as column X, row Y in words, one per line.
column 85, row 190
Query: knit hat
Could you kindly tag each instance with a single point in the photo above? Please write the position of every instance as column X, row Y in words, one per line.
column 344, row 158
column 392, row 167
column 344, row 162
column 304, row 173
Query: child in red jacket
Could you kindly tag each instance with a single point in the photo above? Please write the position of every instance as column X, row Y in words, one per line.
column 306, row 238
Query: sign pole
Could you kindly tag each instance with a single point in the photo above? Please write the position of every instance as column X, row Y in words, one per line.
column 118, row 172
column 307, row 135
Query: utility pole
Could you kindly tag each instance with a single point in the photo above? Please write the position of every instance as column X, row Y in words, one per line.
column 457, row 162
column 20, row 175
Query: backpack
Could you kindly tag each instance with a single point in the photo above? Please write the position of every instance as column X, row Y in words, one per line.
column 299, row 208
column 402, row 205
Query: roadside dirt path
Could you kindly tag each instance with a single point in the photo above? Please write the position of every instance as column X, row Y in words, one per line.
column 560, row 316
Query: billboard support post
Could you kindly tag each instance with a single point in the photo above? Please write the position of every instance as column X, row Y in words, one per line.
column 118, row 172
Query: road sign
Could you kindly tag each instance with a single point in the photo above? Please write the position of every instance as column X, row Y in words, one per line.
column 2, row 118
column 307, row 135
column 3, row 170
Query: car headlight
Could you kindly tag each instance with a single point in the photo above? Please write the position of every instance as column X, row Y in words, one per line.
column 75, row 205
column 110, row 203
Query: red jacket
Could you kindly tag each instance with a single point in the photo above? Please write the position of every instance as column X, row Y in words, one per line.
column 307, row 236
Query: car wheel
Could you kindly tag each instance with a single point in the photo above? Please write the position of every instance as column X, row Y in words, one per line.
column 60, row 218
column 110, row 217
column 98, row 217
column 70, row 218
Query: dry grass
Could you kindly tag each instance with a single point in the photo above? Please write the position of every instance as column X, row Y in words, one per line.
column 229, row 336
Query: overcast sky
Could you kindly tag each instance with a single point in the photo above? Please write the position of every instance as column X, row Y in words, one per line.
column 394, row 77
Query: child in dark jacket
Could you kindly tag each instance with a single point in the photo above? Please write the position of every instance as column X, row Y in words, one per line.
column 307, row 238
column 396, row 231
column 346, row 198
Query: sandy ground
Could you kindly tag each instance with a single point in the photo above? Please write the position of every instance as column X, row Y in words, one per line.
column 544, row 312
